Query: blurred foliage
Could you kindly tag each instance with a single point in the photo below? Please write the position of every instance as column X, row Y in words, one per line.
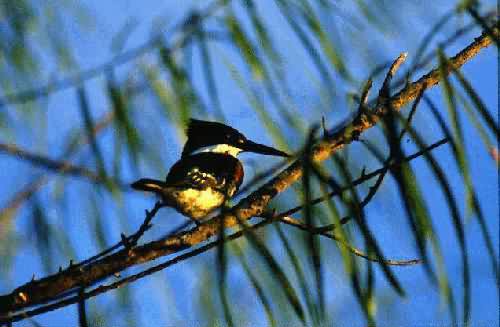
column 273, row 70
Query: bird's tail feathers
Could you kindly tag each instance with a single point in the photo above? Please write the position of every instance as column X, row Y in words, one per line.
column 149, row 185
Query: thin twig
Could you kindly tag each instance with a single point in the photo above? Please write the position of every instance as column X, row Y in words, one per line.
column 364, row 95
column 384, row 92
column 127, row 241
column 82, row 313
column 296, row 223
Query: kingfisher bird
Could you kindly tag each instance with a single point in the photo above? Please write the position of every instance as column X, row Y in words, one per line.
column 208, row 172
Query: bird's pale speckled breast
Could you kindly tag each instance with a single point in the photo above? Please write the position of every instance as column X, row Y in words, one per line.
column 196, row 203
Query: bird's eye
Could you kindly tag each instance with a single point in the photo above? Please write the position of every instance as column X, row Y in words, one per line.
column 241, row 141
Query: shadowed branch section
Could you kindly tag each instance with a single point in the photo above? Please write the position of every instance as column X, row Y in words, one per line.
column 48, row 288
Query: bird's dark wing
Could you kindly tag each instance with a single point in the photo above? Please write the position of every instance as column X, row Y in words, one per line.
column 206, row 169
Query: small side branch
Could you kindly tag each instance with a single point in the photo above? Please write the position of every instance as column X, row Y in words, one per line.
column 296, row 223
column 130, row 241
column 82, row 312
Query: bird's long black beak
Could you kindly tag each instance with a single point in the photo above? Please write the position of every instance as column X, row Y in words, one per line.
column 250, row 146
